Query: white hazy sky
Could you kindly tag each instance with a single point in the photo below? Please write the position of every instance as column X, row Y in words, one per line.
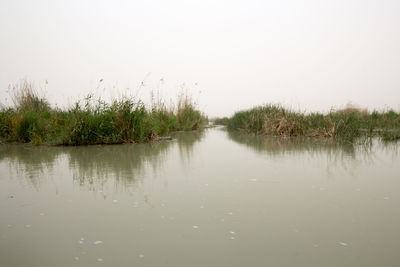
column 308, row 54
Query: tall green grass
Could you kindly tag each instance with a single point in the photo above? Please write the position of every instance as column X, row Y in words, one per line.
column 93, row 121
column 345, row 125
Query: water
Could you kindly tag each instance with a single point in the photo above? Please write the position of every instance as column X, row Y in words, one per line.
column 205, row 199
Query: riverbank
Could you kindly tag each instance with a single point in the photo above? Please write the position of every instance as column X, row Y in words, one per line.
column 344, row 125
column 94, row 121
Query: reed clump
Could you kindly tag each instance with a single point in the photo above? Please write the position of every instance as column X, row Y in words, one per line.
column 93, row 121
column 346, row 124
column 188, row 117
column 220, row 121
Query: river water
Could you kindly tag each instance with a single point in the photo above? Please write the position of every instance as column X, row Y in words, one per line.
column 210, row 198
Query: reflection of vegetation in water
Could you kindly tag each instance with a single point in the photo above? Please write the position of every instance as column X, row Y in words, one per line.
column 280, row 146
column 185, row 141
column 94, row 166
column 30, row 162
column 345, row 155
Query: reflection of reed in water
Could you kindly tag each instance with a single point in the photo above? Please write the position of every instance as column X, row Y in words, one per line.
column 344, row 155
column 94, row 166
column 30, row 162
column 186, row 141
column 125, row 165
column 282, row 146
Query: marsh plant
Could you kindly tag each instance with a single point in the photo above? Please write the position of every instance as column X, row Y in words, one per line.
column 346, row 124
column 92, row 120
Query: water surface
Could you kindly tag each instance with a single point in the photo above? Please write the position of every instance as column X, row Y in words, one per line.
column 209, row 198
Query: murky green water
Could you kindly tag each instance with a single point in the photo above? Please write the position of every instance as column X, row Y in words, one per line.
column 204, row 199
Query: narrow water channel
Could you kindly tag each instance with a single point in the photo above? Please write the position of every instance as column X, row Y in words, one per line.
column 210, row 198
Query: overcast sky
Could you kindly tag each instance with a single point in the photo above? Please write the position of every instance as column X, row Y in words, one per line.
column 229, row 55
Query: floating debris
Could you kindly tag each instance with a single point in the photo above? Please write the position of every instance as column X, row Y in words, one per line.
column 76, row 258
column 230, row 213
column 115, row 201
column 98, row 242
column 41, row 214
column 195, row 227
column 386, row 198
column 100, row 259
column 201, row 207
column 80, row 241
column 315, row 245
column 9, row 225
column 206, row 184
column 253, row 180
column 232, row 232
column 343, row 244
column 28, row 226
column 141, row 256
column 232, row 237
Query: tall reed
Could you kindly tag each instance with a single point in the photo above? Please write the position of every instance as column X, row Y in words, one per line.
column 345, row 124
column 93, row 121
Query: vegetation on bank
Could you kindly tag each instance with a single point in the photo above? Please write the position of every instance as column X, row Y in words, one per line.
column 344, row 125
column 221, row 121
column 93, row 121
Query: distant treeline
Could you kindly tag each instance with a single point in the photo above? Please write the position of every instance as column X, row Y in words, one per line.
column 93, row 121
column 345, row 124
